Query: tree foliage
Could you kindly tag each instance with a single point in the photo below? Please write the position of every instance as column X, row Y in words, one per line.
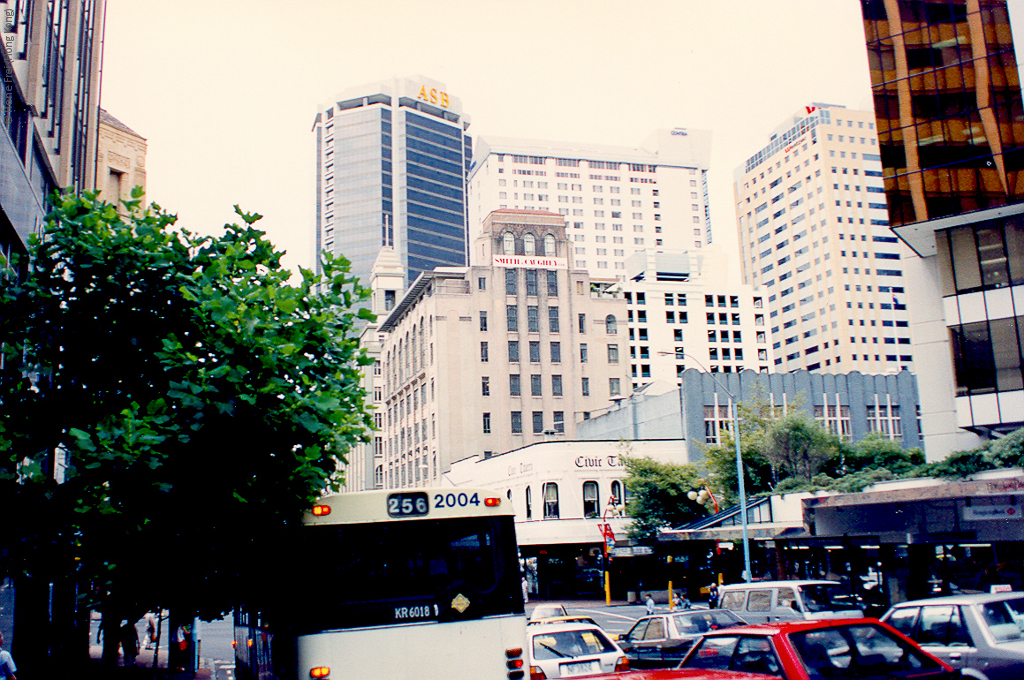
column 658, row 496
column 1005, row 452
column 191, row 398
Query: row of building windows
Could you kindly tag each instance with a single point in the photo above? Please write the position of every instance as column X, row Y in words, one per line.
column 591, row 499
column 537, row 422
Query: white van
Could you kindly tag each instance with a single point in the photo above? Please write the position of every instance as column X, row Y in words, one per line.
column 770, row 601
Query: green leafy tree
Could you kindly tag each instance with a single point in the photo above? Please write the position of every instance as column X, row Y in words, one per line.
column 191, row 399
column 798, row 447
column 878, row 451
column 755, row 418
column 1005, row 452
column 658, row 496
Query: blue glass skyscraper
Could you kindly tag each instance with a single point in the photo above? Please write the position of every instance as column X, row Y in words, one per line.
column 392, row 161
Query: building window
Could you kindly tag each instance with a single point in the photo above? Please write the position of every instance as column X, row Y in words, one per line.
column 531, row 282
column 613, row 354
column 585, row 387
column 487, row 423
column 535, row 385
column 590, row 502
column 885, row 418
column 529, row 504
column 534, row 352
column 614, row 387
column 513, row 351
column 583, row 352
column 559, row 421
column 517, row 422
column 508, row 243
column 483, row 321
column 549, row 245
column 553, row 319
column 834, row 418
column 529, row 243
column 512, row 312
column 538, row 422
column 611, row 325
column 550, row 490
column 515, row 388
column 556, row 352
column 485, row 386
column 552, row 281
column 717, row 420
column 481, row 283
column 556, row 385
column 583, row 323
column 483, row 351
column 510, row 282
column 532, row 319
column 987, row 356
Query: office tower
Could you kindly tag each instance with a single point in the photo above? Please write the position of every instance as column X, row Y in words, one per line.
column 616, row 201
column 513, row 350
column 391, row 166
column 686, row 309
column 814, row 236
column 49, row 100
column 949, row 111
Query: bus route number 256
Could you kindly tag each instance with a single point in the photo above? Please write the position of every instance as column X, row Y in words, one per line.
column 408, row 504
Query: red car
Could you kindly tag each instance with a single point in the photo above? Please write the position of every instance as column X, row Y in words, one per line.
column 840, row 649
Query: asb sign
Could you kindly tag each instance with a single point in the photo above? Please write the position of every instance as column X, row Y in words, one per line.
column 434, row 96
column 529, row 262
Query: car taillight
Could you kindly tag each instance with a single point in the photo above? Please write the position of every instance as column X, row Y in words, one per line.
column 319, row 671
column 537, row 674
column 321, row 510
column 514, row 663
column 621, row 664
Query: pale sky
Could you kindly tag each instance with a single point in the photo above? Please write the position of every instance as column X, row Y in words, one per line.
column 225, row 91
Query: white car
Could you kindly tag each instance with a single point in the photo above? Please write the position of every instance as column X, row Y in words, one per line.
column 560, row 650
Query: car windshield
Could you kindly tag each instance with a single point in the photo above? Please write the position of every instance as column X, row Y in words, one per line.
column 857, row 652
column 1005, row 619
column 745, row 653
column 569, row 644
column 827, row 597
column 696, row 623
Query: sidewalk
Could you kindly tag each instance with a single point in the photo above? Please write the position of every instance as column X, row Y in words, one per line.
column 143, row 667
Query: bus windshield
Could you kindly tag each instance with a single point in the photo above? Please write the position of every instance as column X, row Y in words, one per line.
column 356, row 575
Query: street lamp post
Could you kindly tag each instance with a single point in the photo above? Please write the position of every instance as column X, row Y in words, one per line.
column 739, row 461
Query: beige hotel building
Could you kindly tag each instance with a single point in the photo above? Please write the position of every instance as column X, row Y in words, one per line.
column 513, row 350
column 814, row 237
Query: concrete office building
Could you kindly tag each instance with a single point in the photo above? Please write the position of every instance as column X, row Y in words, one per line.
column 513, row 350
column 851, row 405
column 814, row 236
column 949, row 110
column 120, row 160
column 687, row 309
column 49, row 102
column 391, row 163
column 616, row 200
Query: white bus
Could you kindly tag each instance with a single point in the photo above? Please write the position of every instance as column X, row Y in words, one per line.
column 390, row 584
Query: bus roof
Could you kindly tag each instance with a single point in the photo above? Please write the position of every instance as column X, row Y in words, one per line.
column 407, row 504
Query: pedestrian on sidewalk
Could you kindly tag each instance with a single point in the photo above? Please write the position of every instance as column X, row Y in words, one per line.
column 7, row 667
column 650, row 604
column 129, row 643
column 150, row 638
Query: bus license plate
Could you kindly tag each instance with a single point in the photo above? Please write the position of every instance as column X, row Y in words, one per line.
column 582, row 668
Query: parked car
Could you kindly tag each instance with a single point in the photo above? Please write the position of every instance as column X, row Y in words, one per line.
column 835, row 649
column 769, row 601
column 548, row 611
column 662, row 640
column 982, row 634
column 562, row 619
column 572, row 649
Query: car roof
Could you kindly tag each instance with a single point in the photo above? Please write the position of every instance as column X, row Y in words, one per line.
column 971, row 598
column 773, row 584
column 561, row 627
column 788, row 626
column 551, row 620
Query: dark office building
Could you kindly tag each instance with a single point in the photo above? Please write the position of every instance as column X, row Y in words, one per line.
column 392, row 160
column 951, row 135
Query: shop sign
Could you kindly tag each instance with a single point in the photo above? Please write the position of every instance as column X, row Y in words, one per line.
column 529, row 262
column 990, row 512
